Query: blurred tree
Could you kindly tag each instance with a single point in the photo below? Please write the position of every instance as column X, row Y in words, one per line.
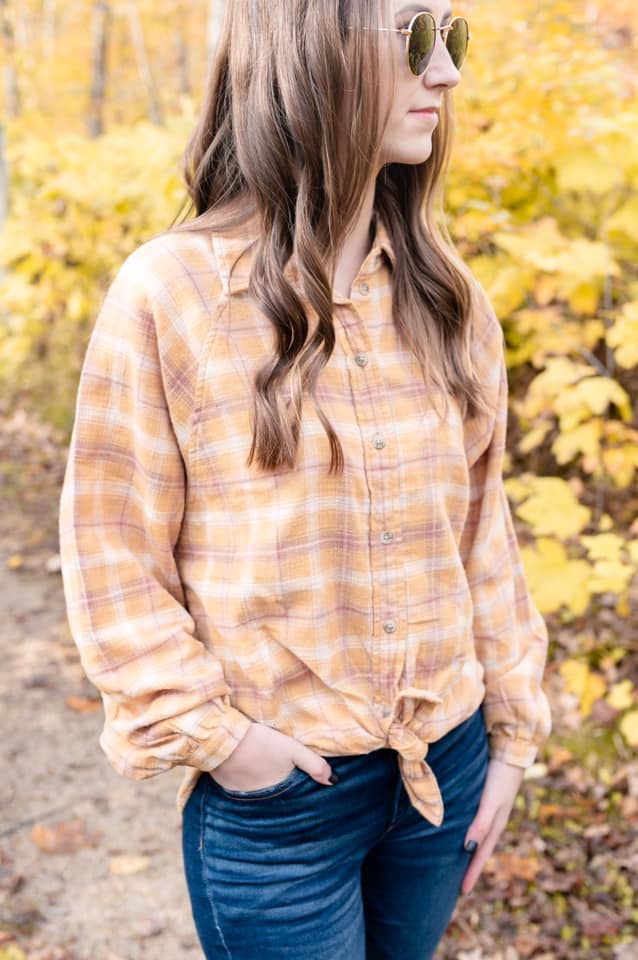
column 215, row 17
column 143, row 62
column 101, row 19
column 11, row 89
column 4, row 190
column 49, row 28
column 181, row 52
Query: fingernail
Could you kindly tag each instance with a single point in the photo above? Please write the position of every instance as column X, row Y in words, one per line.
column 471, row 846
column 333, row 778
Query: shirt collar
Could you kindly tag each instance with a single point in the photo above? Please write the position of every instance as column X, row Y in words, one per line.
column 235, row 249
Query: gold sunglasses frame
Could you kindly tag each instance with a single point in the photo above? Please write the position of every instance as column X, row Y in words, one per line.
column 408, row 31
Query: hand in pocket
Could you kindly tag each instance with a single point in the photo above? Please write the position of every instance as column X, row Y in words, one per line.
column 265, row 756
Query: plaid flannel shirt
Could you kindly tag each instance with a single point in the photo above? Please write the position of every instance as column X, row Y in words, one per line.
column 376, row 608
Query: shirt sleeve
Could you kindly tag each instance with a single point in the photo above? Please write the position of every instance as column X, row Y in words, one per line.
column 510, row 635
column 165, row 699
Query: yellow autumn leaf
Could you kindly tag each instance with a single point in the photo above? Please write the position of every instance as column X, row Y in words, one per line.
column 76, row 305
column 623, row 335
column 517, row 488
column 559, row 373
column 545, row 288
column 12, row 952
column 587, row 685
column 622, row 607
column 555, row 580
column 583, row 170
column 537, row 244
column 624, row 222
column 606, row 522
column 632, row 547
column 534, row 438
column 621, row 464
column 584, row 259
column 552, row 509
column 582, row 440
column 609, row 576
column 593, row 395
column 621, row 695
column 552, row 383
column 585, row 298
column 629, row 728
column 603, row 546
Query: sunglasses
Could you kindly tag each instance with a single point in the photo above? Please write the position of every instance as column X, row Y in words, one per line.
column 420, row 37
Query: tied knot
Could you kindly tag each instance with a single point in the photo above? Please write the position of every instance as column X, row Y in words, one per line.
column 406, row 743
column 418, row 778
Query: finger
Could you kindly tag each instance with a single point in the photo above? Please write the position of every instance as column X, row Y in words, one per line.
column 314, row 764
column 481, row 825
column 482, row 855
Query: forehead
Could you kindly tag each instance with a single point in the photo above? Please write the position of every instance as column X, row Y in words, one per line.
column 438, row 8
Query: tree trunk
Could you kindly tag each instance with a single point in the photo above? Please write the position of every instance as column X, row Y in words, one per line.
column 4, row 188
column 100, row 28
column 181, row 50
column 11, row 88
column 215, row 17
column 143, row 64
column 49, row 28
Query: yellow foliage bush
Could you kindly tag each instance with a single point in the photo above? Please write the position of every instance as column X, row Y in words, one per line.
column 543, row 204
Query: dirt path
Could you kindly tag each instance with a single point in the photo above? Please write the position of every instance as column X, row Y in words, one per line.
column 54, row 772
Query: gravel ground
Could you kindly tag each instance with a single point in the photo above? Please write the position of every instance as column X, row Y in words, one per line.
column 54, row 773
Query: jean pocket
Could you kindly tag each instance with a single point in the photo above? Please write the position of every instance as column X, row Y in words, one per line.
column 263, row 793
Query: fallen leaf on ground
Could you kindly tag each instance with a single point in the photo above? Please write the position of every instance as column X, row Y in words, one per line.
column 507, row 865
column 127, row 864
column 66, row 837
column 83, row 704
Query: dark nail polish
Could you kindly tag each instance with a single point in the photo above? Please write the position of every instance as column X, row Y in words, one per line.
column 471, row 846
column 333, row 778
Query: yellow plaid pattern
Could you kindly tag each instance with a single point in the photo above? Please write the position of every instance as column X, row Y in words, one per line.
column 376, row 608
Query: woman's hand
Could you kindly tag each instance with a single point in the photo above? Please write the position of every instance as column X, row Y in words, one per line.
column 501, row 786
column 265, row 756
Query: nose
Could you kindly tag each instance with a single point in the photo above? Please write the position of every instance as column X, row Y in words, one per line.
column 441, row 70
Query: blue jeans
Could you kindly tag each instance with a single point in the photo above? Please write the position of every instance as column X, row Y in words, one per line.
column 352, row 871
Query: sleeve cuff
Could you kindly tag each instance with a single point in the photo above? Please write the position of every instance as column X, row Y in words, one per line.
column 210, row 753
column 517, row 752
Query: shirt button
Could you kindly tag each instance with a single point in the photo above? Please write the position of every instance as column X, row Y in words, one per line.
column 361, row 359
column 364, row 288
column 390, row 626
column 379, row 443
column 386, row 536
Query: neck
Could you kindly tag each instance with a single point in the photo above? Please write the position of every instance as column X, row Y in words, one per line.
column 355, row 247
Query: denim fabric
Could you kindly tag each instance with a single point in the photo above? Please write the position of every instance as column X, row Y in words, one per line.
column 352, row 871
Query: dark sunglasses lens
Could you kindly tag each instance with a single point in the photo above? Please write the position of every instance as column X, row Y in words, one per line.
column 457, row 40
column 421, row 43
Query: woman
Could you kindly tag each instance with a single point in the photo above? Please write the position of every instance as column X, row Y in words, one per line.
column 288, row 557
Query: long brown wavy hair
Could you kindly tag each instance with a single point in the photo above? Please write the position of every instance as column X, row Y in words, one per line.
column 291, row 130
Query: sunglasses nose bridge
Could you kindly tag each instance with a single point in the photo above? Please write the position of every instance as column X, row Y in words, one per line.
column 444, row 33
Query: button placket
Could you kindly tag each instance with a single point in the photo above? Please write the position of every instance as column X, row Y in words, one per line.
column 374, row 410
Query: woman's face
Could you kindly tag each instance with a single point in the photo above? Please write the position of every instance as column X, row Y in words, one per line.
column 408, row 135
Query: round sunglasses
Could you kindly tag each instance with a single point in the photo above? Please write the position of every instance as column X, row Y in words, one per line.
column 420, row 37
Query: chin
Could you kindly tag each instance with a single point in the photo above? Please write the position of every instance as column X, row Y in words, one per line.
column 413, row 157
